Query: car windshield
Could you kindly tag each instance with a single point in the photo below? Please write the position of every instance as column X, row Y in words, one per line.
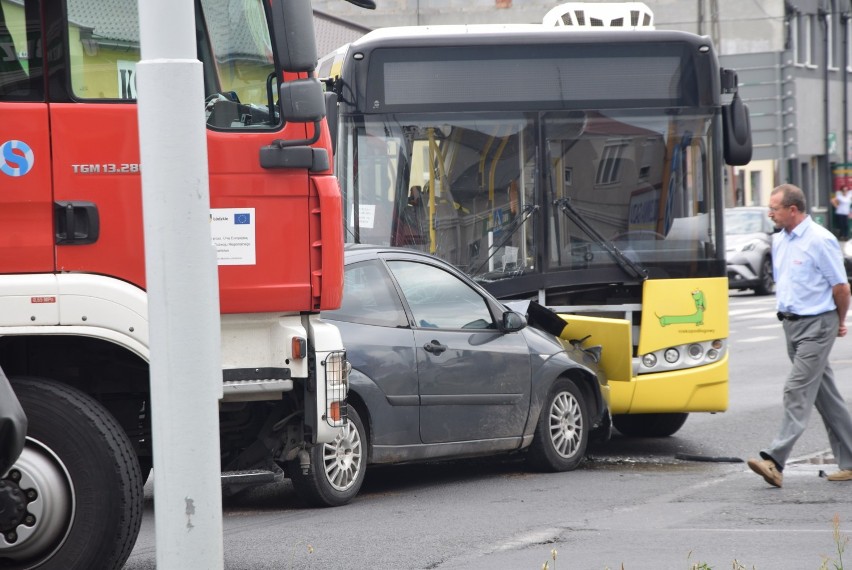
column 743, row 222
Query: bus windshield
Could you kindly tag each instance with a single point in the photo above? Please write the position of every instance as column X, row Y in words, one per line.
column 502, row 195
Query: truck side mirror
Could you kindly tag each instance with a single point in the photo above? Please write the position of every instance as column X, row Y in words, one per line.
column 736, row 132
column 293, row 35
column 302, row 100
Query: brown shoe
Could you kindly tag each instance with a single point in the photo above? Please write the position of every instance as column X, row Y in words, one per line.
column 766, row 468
column 842, row 475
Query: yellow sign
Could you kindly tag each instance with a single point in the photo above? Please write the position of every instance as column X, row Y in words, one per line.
column 681, row 311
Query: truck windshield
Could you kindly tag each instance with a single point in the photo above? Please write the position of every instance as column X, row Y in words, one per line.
column 232, row 41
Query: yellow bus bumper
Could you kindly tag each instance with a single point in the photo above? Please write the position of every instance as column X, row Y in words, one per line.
column 703, row 389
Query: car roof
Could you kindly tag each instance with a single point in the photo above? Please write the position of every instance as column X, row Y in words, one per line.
column 351, row 251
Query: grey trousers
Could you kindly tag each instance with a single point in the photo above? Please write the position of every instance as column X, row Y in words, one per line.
column 811, row 384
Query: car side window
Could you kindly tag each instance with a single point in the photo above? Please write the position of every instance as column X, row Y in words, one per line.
column 438, row 299
column 369, row 297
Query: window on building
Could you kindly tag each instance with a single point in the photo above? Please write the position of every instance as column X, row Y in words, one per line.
column 798, row 36
column 812, row 40
column 609, row 166
column 849, row 44
column 803, row 34
column 755, row 183
column 833, row 48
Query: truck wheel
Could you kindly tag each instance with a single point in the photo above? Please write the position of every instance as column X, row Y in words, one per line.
column 337, row 468
column 648, row 425
column 73, row 501
column 562, row 432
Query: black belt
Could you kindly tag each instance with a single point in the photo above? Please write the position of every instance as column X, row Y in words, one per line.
column 789, row 316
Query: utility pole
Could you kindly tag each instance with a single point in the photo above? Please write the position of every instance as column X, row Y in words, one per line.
column 183, row 290
column 700, row 30
column 715, row 34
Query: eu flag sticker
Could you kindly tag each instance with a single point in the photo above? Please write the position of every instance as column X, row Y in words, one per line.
column 242, row 218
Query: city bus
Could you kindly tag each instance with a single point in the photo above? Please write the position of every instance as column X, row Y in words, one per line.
column 582, row 170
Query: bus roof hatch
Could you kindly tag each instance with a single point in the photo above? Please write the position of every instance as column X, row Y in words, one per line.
column 601, row 16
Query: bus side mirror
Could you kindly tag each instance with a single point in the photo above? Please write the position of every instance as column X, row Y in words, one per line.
column 293, row 35
column 736, row 132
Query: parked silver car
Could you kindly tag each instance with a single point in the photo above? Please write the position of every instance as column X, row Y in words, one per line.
column 441, row 369
column 748, row 249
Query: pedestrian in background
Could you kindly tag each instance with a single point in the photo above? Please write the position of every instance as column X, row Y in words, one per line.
column 812, row 294
column 842, row 202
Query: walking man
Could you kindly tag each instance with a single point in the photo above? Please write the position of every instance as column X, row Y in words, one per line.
column 812, row 294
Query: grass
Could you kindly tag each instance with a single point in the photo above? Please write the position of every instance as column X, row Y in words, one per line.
column 841, row 541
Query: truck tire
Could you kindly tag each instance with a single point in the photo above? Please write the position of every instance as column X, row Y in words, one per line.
column 648, row 425
column 77, row 489
column 337, row 468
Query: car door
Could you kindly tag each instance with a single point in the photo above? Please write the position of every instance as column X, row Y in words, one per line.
column 474, row 380
column 380, row 347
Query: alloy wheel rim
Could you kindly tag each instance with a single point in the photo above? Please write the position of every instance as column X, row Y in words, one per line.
column 566, row 425
column 342, row 458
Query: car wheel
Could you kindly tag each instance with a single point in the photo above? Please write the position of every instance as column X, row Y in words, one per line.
column 767, row 283
column 337, row 469
column 648, row 425
column 73, row 500
column 562, row 431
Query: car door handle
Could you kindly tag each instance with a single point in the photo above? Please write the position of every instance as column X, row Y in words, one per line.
column 434, row 347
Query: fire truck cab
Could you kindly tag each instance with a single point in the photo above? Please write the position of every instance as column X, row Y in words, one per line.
column 73, row 306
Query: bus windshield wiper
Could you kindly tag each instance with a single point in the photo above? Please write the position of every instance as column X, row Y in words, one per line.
column 526, row 213
column 628, row 265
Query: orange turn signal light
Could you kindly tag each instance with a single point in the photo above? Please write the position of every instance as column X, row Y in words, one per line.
column 299, row 347
column 334, row 411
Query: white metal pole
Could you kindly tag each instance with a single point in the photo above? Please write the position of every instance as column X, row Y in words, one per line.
column 183, row 292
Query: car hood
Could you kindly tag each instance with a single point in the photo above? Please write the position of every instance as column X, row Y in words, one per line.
column 733, row 241
column 543, row 331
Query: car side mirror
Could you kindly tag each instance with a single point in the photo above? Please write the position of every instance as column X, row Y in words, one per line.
column 513, row 322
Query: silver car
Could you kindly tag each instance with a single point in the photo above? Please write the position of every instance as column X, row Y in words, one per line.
column 441, row 369
column 748, row 249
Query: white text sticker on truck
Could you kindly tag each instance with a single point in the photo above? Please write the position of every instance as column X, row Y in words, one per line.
column 233, row 233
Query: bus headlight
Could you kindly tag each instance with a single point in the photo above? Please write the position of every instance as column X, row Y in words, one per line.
column 681, row 357
column 649, row 360
column 671, row 355
column 696, row 351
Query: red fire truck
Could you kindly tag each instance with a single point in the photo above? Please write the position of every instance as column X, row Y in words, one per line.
column 74, row 337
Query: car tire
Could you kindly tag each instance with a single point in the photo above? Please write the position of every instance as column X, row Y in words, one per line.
column 80, row 480
column 562, row 432
column 648, row 425
column 337, row 469
column 767, row 282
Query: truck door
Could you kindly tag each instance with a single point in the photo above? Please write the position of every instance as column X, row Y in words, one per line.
column 26, row 210
column 94, row 138
column 256, row 213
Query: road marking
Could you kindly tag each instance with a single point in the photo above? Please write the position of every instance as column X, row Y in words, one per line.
column 759, row 339
column 772, row 326
column 740, row 312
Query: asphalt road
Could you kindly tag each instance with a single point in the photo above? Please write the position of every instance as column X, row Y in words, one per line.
column 633, row 504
